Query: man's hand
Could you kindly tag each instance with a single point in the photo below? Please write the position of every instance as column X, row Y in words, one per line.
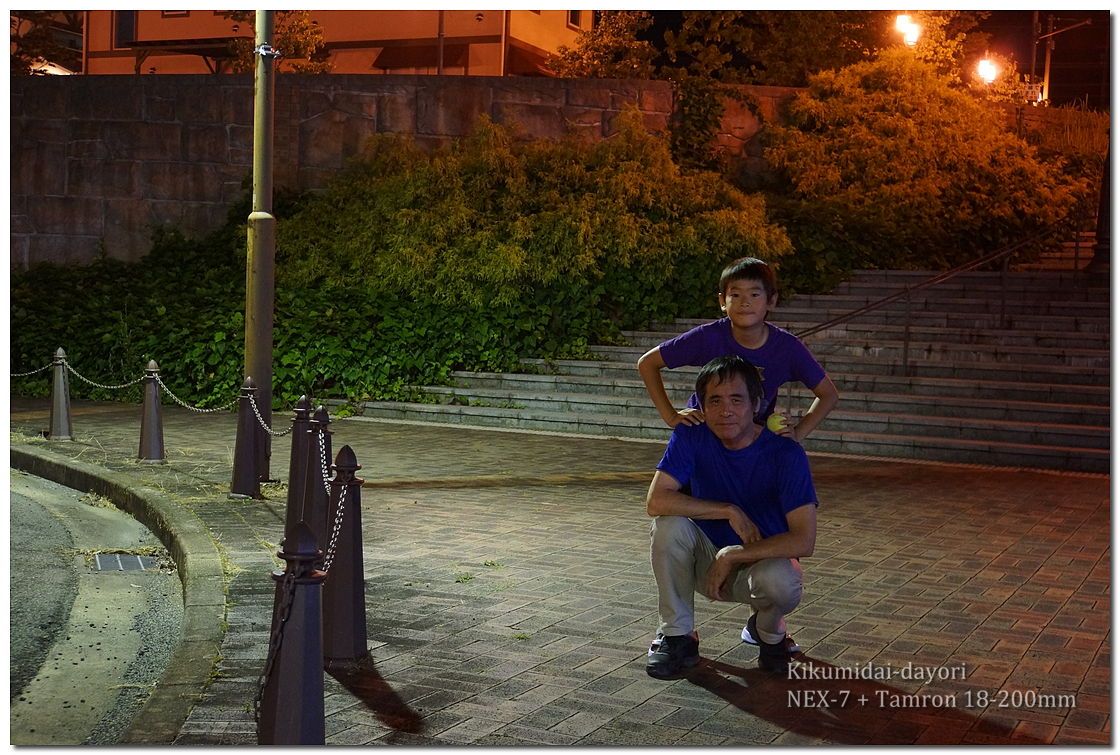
column 720, row 572
column 743, row 526
column 686, row 417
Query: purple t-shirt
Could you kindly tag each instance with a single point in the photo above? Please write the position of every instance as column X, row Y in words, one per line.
column 767, row 479
column 781, row 359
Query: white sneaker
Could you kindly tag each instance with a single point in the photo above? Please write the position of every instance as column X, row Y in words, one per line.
column 749, row 636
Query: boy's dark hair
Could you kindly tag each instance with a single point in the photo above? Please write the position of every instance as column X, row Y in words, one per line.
column 749, row 268
column 726, row 368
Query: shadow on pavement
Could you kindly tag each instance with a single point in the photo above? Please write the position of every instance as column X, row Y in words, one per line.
column 851, row 711
column 362, row 679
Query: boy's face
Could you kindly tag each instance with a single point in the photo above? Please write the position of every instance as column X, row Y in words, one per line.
column 729, row 411
column 745, row 302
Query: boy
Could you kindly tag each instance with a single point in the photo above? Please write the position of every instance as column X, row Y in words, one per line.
column 738, row 535
column 748, row 291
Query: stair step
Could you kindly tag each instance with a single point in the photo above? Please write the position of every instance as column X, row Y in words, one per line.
column 924, row 350
column 839, row 364
column 679, row 384
column 864, row 443
column 876, row 404
column 920, row 333
column 959, row 451
column 1013, row 306
column 797, row 319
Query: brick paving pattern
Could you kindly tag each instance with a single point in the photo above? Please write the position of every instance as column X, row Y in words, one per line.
column 510, row 599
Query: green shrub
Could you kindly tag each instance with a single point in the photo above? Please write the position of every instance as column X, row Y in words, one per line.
column 884, row 165
column 411, row 265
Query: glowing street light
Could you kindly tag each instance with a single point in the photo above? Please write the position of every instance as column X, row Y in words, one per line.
column 987, row 70
column 909, row 29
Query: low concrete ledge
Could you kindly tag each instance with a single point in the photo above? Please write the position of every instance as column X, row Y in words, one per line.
column 200, row 571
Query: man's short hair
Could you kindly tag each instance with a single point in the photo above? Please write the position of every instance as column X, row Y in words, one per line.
column 749, row 268
column 727, row 368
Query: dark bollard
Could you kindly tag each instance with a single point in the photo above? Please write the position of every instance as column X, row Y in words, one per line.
column 316, row 498
column 297, row 465
column 246, row 479
column 60, row 427
column 291, row 704
column 151, row 422
column 344, row 593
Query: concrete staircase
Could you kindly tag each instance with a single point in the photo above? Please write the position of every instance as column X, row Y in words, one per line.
column 1032, row 391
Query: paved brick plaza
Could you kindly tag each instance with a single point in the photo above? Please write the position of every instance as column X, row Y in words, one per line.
column 510, row 598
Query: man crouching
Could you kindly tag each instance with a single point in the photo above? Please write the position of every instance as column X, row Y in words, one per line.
column 738, row 533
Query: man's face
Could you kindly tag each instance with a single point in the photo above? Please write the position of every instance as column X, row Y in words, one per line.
column 729, row 411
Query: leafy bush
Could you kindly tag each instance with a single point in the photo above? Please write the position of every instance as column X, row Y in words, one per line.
column 883, row 164
column 411, row 265
column 587, row 238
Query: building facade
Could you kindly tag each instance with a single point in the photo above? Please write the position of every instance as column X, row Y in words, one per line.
column 449, row 42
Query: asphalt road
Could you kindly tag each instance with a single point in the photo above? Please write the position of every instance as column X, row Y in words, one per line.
column 86, row 643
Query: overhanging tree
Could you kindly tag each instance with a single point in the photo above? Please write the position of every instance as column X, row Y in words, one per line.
column 884, row 164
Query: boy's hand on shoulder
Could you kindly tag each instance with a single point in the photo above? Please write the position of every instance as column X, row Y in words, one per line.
column 686, row 417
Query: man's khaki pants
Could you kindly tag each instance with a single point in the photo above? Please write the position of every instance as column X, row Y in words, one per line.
column 681, row 555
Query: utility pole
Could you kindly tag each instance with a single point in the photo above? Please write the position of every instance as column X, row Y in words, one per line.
column 260, row 268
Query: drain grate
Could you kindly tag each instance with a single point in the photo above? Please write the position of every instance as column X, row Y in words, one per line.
column 123, row 562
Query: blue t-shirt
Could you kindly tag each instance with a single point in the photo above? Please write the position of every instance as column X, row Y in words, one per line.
column 781, row 359
column 767, row 479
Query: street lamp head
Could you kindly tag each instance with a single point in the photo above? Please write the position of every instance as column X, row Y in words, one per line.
column 987, row 70
column 910, row 30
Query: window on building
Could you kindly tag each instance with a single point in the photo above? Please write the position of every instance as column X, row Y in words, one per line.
column 124, row 28
column 573, row 18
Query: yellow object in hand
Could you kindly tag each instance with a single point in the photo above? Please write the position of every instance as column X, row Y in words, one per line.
column 776, row 423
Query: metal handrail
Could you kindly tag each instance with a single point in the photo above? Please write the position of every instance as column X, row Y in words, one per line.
column 1001, row 254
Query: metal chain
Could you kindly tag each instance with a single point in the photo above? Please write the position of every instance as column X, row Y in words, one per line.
column 260, row 419
column 185, row 405
column 25, row 374
column 336, row 529
column 99, row 385
column 277, row 638
column 339, row 513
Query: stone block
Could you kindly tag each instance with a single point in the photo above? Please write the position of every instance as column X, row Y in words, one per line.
column 107, row 98
column 19, row 250
column 236, row 98
column 586, row 123
column 62, row 249
column 205, row 143
column 539, row 121
column 656, row 97
column 107, row 179
column 133, row 140
column 739, row 121
column 396, row 112
column 38, row 169
column 450, row 111
column 590, row 94
column 192, row 101
column 319, row 142
column 66, row 215
column 34, row 96
column 538, row 92
column 181, row 181
column 128, row 228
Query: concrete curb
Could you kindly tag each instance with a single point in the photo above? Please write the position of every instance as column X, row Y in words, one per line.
column 200, row 571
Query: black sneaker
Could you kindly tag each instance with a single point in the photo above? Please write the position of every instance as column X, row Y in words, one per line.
column 774, row 658
column 669, row 656
column 750, row 636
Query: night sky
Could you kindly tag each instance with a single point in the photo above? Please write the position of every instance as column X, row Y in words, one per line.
column 1079, row 64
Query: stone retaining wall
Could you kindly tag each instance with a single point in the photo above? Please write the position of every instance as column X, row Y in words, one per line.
column 100, row 162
